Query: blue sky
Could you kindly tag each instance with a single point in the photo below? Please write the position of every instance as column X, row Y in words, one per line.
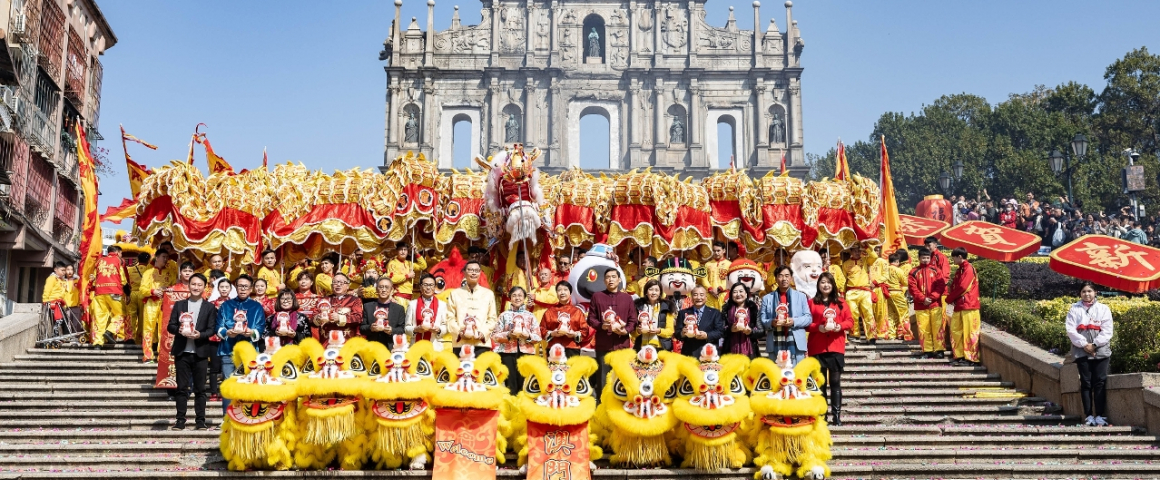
column 304, row 80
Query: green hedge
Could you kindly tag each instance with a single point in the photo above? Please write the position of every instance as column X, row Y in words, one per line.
column 1135, row 342
column 994, row 278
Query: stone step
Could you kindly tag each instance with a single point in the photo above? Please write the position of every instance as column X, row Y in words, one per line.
column 117, row 349
column 72, row 422
column 125, row 449
column 114, row 461
column 71, row 357
column 111, row 418
column 965, row 392
column 150, row 406
column 24, row 365
column 964, row 418
column 913, row 401
column 943, row 453
column 141, row 395
column 104, row 377
column 928, row 409
column 862, row 383
column 917, row 376
column 97, row 435
column 936, row 369
column 70, row 371
column 112, row 389
column 1018, row 441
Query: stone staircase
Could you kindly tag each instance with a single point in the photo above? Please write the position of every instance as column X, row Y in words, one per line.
column 87, row 413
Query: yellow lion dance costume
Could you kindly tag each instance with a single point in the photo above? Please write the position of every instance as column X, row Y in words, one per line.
column 398, row 418
column 259, row 430
column 711, row 404
column 472, row 383
column 789, row 427
column 556, row 392
column 329, row 393
column 634, row 413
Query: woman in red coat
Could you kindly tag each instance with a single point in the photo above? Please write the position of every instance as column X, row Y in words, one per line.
column 827, row 339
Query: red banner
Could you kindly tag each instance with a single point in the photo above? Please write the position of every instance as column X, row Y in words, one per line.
column 465, row 444
column 166, row 370
column 916, row 229
column 991, row 241
column 1111, row 262
column 558, row 452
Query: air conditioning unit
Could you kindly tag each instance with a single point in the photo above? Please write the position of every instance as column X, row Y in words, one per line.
column 18, row 26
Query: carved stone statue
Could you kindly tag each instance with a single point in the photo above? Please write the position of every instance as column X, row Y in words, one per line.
column 593, row 43
column 513, row 129
column 777, row 129
column 411, row 129
column 677, row 131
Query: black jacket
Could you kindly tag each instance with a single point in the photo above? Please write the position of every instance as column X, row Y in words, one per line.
column 206, row 326
column 712, row 323
column 396, row 318
column 665, row 316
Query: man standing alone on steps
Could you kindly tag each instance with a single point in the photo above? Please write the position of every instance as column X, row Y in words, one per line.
column 963, row 294
column 192, row 324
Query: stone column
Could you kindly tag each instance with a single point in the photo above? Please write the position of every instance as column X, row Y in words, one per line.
column 555, row 120
column 429, row 48
column 795, row 122
column 632, row 55
column 697, row 155
column 637, row 116
column 554, row 59
column 395, row 38
column 693, row 12
column 495, row 14
column 660, row 130
column 495, row 132
column 530, row 16
column 530, row 118
column 762, row 133
column 428, row 123
column 392, row 133
column 758, row 37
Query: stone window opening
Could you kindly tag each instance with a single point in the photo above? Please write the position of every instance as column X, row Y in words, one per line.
column 461, row 142
column 595, row 136
column 594, row 24
column 726, row 140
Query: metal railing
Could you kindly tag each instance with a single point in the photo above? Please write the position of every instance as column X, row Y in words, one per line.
column 43, row 133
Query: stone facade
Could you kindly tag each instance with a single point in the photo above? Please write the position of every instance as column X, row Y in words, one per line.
column 655, row 69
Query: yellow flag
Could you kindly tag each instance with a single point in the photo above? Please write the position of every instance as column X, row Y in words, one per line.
column 888, row 208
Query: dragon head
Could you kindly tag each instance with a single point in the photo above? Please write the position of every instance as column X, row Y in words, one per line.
column 556, row 390
column 640, row 390
column 787, row 398
column 711, row 399
column 469, row 382
column 399, row 380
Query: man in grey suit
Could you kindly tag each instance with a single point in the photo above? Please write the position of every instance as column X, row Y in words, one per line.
column 785, row 314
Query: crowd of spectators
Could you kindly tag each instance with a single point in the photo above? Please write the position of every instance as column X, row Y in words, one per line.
column 1056, row 222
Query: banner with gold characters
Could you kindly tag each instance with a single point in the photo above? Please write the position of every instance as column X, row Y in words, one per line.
column 465, row 444
column 558, row 452
column 991, row 241
column 916, row 229
column 1110, row 262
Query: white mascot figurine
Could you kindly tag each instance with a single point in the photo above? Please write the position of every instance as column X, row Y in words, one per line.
column 746, row 272
column 807, row 267
column 513, row 192
column 587, row 276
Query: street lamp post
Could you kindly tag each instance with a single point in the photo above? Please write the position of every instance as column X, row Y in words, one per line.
column 947, row 182
column 1062, row 163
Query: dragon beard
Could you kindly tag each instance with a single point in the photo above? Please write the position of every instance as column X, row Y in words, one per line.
column 522, row 223
column 330, row 426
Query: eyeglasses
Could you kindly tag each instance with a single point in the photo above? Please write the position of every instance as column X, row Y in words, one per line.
column 340, row 282
column 472, row 270
column 242, row 287
column 425, row 285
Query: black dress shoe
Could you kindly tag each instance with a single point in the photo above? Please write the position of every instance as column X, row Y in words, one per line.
column 837, row 418
column 178, row 426
column 940, row 355
column 110, row 339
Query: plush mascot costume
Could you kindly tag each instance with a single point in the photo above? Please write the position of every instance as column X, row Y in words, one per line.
column 635, row 411
column 746, row 272
column 260, row 428
column 398, row 417
column 328, row 416
column 788, row 429
column 711, row 404
column 471, row 383
column 556, row 393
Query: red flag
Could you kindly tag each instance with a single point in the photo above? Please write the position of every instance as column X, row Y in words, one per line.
column 137, row 171
column 90, row 251
column 782, row 162
column 216, row 164
column 116, row 214
column 894, row 237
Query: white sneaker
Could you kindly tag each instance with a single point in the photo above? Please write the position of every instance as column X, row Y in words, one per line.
column 1101, row 422
column 1090, row 421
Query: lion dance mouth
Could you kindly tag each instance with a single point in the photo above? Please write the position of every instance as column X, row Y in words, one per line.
column 397, row 410
column 711, row 431
column 786, row 421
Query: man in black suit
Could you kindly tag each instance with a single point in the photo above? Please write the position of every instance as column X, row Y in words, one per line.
column 710, row 324
column 394, row 315
column 192, row 322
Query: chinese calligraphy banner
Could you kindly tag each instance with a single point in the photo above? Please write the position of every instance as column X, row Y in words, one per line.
column 1111, row 262
column 991, row 241
column 558, row 452
column 916, row 229
column 465, row 444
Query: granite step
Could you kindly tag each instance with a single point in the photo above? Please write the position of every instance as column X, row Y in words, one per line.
column 143, row 407
column 1015, row 441
column 961, row 418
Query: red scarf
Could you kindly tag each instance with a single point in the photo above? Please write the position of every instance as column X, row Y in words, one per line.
column 420, row 305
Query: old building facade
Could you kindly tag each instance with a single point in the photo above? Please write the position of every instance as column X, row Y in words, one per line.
column 50, row 79
column 662, row 77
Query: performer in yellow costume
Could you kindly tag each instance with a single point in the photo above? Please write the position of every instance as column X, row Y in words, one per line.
column 156, row 279
column 835, row 269
column 881, row 297
column 133, row 308
column 403, row 272
column 716, row 272
column 859, row 291
column 897, row 307
column 109, row 281
column 269, row 272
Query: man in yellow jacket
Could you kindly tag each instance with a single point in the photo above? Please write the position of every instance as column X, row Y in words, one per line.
column 859, row 291
column 109, row 279
column 879, row 273
column 898, row 309
column 269, row 272
column 402, row 271
column 716, row 271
